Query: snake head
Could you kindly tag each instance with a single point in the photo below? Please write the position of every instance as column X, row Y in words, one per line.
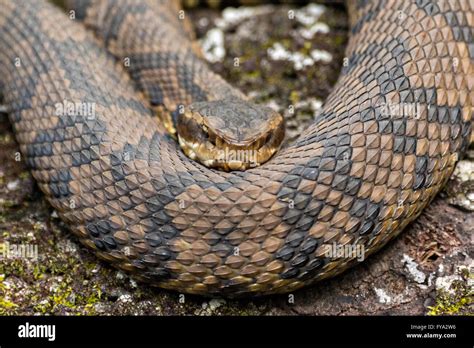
column 230, row 134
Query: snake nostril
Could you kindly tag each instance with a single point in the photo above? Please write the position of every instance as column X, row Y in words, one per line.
column 268, row 138
column 209, row 138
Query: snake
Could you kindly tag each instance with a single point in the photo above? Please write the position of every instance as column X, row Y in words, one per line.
column 94, row 96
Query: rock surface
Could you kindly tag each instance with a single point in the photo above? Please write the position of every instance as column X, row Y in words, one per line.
column 287, row 58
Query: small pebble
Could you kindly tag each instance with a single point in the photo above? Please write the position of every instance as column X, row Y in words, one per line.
column 213, row 45
column 125, row 298
column 13, row 185
column 216, row 303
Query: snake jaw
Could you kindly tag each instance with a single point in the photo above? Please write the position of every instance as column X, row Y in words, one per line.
column 230, row 135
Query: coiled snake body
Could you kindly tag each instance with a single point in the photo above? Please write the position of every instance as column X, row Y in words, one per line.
column 357, row 176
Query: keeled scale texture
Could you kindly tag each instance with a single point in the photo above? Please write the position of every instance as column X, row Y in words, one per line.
column 356, row 176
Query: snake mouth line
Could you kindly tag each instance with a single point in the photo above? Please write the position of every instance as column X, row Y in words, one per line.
column 226, row 159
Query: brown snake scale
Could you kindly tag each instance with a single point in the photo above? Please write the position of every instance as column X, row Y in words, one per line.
column 358, row 175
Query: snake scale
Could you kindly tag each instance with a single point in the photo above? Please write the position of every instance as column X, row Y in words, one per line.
column 357, row 176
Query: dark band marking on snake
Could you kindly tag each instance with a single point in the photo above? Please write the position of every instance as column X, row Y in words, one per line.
column 356, row 176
